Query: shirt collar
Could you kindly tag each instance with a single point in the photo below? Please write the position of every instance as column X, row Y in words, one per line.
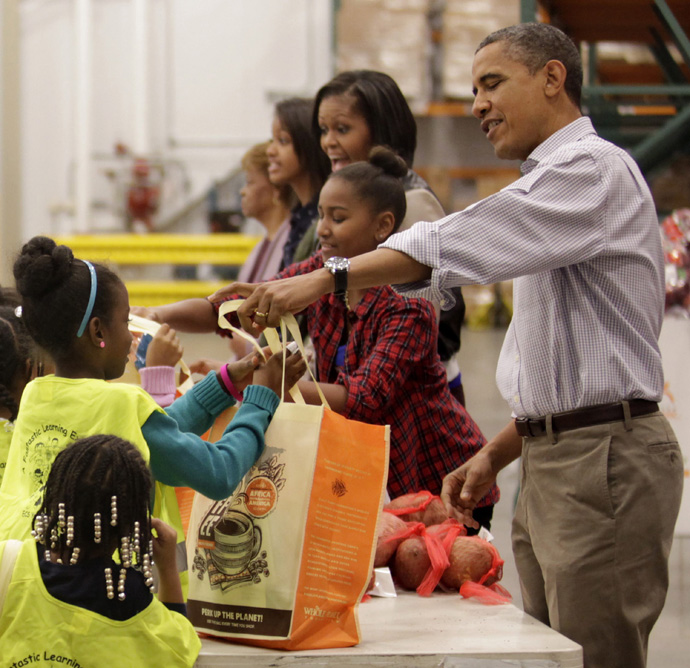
column 308, row 210
column 574, row 131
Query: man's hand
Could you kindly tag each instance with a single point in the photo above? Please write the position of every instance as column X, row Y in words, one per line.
column 464, row 487
column 265, row 303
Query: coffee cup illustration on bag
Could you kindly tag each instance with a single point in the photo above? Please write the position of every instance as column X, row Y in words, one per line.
column 237, row 542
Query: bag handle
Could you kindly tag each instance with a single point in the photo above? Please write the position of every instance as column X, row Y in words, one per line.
column 9, row 557
column 275, row 343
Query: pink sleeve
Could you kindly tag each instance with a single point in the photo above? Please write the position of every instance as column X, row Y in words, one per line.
column 159, row 382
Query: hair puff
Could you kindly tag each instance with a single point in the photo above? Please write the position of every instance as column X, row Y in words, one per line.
column 388, row 161
column 41, row 266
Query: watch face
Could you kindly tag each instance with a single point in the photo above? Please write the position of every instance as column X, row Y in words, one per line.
column 337, row 264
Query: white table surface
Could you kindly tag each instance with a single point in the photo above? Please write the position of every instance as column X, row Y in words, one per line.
column 414, row 632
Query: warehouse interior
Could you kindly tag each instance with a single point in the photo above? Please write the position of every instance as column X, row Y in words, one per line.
column 100, row 97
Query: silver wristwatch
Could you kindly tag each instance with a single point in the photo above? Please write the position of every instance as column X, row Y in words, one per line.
column 339, row 266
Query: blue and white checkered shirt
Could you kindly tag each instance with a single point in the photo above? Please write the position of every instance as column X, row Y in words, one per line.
column 579, row 233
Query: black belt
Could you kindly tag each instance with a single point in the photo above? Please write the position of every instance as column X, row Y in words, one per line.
column 584, row 417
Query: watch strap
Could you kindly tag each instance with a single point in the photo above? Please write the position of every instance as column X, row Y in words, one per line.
column 340, row 278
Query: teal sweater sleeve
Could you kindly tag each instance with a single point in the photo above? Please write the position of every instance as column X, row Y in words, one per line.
column 183, row 459
column 196, row 410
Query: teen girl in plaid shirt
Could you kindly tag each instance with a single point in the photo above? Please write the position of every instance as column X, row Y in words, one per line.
column 376, row 351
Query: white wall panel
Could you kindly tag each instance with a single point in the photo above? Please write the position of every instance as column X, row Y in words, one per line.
column 215, row 69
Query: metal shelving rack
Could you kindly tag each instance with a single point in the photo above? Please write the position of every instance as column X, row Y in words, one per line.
column 651, row 119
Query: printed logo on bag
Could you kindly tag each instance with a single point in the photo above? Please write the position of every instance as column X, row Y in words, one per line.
column 339, row 488
column 261, row 495
column 261, row 492
column 229, row 544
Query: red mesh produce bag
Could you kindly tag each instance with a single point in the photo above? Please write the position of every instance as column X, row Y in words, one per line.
column 418, row 507
column 410, row 507
column 475, row 567
column 435, row 513
column 391, row 532
column 421, row 559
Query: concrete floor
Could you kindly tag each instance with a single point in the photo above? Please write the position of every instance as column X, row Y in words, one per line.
column 670, row 640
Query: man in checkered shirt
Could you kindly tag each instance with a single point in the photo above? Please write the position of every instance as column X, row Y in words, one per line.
column 580, row 367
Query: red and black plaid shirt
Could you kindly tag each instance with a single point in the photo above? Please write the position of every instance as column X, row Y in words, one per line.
column 394, row 376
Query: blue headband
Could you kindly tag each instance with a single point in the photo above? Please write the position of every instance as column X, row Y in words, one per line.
column 92, row 298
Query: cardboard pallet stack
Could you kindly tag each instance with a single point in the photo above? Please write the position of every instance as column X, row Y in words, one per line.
column 406, row 38
column 390, row 36
column 465, row 24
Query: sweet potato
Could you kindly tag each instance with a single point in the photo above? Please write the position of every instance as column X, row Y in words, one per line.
column 470, row 559
column 418, row 500
column 435, row 512
column 411, row 562
column 388, row 525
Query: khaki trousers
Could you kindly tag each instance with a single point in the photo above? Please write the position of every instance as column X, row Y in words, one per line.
column 592, row 533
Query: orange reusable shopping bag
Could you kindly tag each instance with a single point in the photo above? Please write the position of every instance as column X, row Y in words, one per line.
column 285, row 560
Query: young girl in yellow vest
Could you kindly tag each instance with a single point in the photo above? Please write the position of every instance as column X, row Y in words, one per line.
column 66, row 601
column 78, row 312
column 16, row 367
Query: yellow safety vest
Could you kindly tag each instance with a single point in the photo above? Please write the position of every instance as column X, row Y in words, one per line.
column 6, row 428
column 37, row 629
column 53, row 413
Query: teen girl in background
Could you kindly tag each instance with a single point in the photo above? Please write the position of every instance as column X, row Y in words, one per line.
column 375, row 350
column 295, row 160
column 360, row 109
column 79, row 312
column 64, row 582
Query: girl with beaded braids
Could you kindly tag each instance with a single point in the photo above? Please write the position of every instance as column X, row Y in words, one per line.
column 96, row 503
column 79, row 313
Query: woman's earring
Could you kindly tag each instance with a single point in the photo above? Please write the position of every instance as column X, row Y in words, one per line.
column 102, row 344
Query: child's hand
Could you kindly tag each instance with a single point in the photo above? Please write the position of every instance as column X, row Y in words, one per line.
column 241, row 372
column 165, row 348
column 164, row 545
column 204, row 365
column 271, row 374
column 165, row 558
